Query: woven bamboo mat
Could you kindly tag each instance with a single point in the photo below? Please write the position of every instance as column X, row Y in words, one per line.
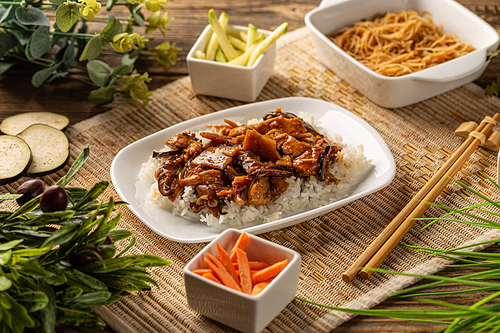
column 420, row 137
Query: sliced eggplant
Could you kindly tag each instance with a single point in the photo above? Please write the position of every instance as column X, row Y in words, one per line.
column 15, row 158
column 49, row 146
column 16, row 124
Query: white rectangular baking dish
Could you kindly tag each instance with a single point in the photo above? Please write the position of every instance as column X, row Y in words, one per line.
column 394, row 92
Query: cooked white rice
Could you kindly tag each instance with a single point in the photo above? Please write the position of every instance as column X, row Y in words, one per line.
column 301, row 194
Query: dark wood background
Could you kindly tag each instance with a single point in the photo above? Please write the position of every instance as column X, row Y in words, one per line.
column 191, row 16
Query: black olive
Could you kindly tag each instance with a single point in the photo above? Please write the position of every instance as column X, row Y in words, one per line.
column 29, row 190
column 59, row 327
column 54, row 199
column 85, row 255
column 108, row 241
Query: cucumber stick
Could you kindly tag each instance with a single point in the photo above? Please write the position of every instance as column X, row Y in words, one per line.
column 267, row 42
column 213, row 44
column 229, row 51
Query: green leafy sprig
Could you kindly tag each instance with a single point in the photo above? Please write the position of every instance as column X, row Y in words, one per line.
column 26, row 35
column 482, row 316
column 54, row 267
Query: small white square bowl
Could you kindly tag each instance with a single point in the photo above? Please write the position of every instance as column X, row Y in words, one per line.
column 236, row 309
column 394, row 92
column 218, row 79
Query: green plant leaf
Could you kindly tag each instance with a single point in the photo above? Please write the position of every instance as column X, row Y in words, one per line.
column 68, row 57
column 32, row 16
column 10, row 245
column 96, row 47
column 99, row 72
column 70, row 293
column 138, row 17
column 5, row 66
column 5, row 283
column 79, row 319
column 89, row 280
column 122, row 70
column 77, row 164
column 5, row 256
column 57, row 2
column 43, row 75
column 61, row 236
column 38, row 44
column 33, row 268
column 94, row 298
column 9, row 13
column 7, row 41
column 112, row 21
column 34, row 300
column 103, row 95
column 49, row 311
column 66, row 17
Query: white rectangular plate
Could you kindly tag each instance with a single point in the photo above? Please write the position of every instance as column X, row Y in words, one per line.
column 355, row 131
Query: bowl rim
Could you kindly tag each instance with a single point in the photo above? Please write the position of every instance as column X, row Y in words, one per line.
column 325, row 5
column 196, row 46
column 188, row 267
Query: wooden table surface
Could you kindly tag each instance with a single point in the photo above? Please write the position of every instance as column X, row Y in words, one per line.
column 70, row 98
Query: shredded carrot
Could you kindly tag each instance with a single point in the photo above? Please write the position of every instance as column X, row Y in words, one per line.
column 254, row 265
column 260, row 286
column 269, row 272
column 245, row 276
column 226, row 261
column 220, row 272
column 210, row 276
column 241, row 243
column 201, row 271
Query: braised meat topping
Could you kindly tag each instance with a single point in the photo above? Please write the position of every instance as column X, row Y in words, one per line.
column 244, row 163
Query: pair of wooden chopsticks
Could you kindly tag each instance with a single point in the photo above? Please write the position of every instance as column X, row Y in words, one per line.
column 390, row 237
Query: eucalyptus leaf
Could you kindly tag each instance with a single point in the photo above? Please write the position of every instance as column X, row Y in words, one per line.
column 138, row 17
column 32, row 16
column 66, row 17
column 112, row 21
column 9, row 13
column 68, row 57
column 42, row 76
column 38, row 44
column 103, row 95
column 99, row 72
column 96, row 47
column 122, row 70
column 7, row 41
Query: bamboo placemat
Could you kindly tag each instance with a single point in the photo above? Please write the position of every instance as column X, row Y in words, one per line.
column 420, row 137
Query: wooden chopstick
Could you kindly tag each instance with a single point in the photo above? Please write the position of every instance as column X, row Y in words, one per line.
column 382, row 246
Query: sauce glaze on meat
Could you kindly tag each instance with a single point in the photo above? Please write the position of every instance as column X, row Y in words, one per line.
column 244, row 163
